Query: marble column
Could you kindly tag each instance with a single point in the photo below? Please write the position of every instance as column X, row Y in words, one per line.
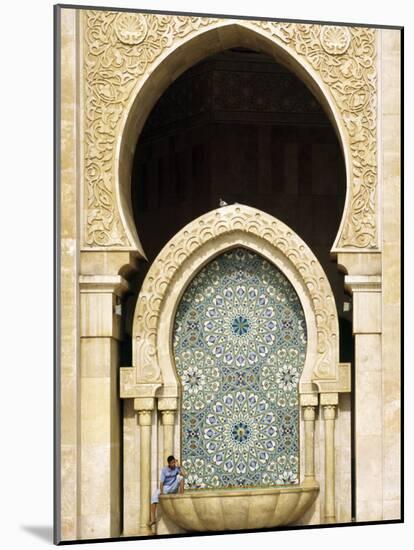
column 168, row 407
column 309, row 403
column 145, row 425
column 168, row 419
column 329, row 403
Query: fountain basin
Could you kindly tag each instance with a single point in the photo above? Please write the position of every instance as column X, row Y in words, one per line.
column 235, row 509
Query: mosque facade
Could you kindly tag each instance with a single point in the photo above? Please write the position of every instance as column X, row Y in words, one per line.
column 229, row 248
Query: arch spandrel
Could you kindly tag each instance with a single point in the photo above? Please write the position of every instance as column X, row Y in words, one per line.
column 337, row 63
column 191, row 249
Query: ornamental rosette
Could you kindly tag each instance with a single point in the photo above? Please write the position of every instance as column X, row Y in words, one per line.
column 335, row 39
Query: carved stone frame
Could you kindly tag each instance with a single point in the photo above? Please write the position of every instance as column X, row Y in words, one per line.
column 153, row 373
column 129, row 59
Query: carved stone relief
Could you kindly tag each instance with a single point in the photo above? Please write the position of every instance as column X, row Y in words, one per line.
column 190, row 241
column 344, row 57
column 120, row 47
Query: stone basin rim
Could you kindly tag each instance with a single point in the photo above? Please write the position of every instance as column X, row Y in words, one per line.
column 254, row 491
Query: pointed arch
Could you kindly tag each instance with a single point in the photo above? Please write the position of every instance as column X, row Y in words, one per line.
column 153, row 372
column 180, row 56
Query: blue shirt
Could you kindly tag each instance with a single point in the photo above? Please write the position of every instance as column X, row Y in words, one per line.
column 168, row 477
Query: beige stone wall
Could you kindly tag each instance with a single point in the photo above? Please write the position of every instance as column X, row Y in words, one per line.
column 69, row 295
column 391, row 271
column 374, row 281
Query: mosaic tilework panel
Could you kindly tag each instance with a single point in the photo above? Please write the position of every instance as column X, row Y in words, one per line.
column 240, row 345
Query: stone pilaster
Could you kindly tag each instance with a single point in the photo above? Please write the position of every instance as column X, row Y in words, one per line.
column 100, row 449
column 390, row 166
column 67, row 377
column 329, row 402
column 367, row 320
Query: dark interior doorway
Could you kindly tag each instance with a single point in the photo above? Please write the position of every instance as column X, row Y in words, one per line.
column 241, row 127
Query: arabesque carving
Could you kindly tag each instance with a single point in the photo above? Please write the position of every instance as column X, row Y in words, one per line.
column 120, row 47
column 190, row 240
column 344, row 57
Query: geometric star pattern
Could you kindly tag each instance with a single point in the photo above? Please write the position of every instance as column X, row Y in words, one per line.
column 239, row 344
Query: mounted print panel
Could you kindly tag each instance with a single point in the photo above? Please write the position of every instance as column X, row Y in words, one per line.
column 228, row 205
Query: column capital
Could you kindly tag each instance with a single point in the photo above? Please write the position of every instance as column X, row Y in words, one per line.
column 129, row 387
column 168, row 418
column 167, row 404
column 109, row 262
column 145, row 417
column 103, row 284
column 363, row 283
column 329, row 412
column 100, row 313
column 329, row 399
column 329, row 402
column 309, row 412
column 359, row 262
column 308, row 399
column 367, row 303
column 144, row 404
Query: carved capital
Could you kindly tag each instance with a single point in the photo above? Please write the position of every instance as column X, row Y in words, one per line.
column 168, row 418
column 327, row 399
column 309, row 399
column 129, row 387
column 167, row 403
column 329, row 412
column 309, row 413
column 145, row 418
column 144, row 404
column 342, row 382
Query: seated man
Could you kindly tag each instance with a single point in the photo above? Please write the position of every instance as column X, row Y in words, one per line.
column 170, row 482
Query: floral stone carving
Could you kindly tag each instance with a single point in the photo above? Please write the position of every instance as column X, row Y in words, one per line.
column 131, row 28
column 335, row 40
column 344, row 57
column 118, row 48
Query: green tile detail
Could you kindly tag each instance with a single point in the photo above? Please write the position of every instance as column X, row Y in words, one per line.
column 240, row 345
